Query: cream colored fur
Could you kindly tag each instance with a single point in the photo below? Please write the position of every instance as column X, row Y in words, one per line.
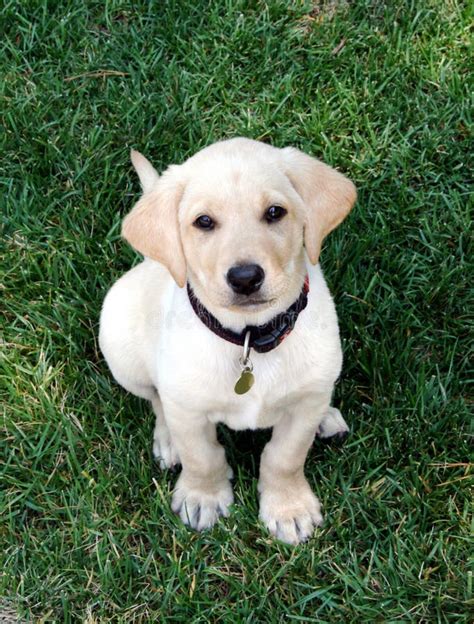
column 158, row 349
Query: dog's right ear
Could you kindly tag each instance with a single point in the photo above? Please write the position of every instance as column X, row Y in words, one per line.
column 145, row 171
column 152, row 226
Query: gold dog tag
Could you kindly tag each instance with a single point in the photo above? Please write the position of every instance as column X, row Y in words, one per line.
column 244, row 382
column 246, row 379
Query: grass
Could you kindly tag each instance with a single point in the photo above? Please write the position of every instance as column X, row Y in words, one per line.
column 378, row 89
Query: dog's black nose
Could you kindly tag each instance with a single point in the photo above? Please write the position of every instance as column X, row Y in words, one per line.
column 245, row 279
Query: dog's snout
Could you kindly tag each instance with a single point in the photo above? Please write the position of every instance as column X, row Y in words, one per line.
column 245, row 279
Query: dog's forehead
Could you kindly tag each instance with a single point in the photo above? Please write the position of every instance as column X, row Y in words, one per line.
column 233, row 173
column 238, row 147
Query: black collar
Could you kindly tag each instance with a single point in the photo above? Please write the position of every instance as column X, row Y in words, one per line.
column 263, row 338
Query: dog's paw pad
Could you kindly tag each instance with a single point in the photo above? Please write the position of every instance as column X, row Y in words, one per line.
column 337, row 439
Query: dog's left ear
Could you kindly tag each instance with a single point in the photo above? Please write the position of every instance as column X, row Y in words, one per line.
column 328, row 196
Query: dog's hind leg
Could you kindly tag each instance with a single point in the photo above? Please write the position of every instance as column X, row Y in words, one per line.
column 164, row 450
column 333, row 427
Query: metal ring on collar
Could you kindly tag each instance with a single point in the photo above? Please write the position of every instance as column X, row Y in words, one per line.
column 244, row 358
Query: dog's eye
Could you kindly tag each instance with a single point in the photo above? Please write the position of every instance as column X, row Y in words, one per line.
column 274, row 213
column 204, row 223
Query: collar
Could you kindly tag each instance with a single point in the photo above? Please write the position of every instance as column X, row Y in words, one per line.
column 263, row 338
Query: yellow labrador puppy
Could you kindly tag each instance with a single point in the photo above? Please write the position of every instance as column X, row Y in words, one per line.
column 229, row 319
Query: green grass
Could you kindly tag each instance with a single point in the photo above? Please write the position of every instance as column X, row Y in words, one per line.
column 87, row 533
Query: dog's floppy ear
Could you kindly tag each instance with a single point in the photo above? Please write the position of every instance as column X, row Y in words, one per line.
column 328, row 196
column 152, row 226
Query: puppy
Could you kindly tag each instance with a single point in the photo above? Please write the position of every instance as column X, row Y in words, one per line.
column 228, row 319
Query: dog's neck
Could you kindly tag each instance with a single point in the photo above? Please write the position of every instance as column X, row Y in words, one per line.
column 263, row 337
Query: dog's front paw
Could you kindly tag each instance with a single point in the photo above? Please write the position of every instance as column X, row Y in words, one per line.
column 290, row 512
column 200, row 508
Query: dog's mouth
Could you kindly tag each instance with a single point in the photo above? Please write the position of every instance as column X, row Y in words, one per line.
column 250, row 302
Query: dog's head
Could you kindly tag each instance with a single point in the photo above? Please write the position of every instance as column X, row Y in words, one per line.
column 234, row 220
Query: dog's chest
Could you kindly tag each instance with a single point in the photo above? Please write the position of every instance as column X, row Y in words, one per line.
column 262, row 406
column 201, row 374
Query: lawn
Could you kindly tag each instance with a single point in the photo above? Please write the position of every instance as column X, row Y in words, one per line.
column 377, row 89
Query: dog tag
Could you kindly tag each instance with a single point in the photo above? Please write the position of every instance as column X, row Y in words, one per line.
column 244, row 382
column 246, row 379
